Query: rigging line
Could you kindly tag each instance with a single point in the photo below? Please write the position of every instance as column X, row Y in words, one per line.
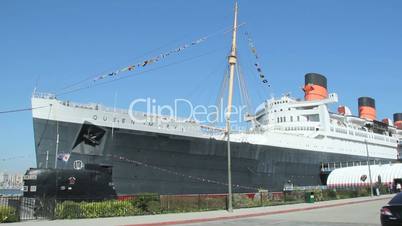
column 194, row 91
column 250, row 62
column 21, row 109
column 247, row 95
column 138, row 73
column 221, row 93
column 245, row 92
column 135, row 58
column 16, row 157
column 243, row 96
column 239, row 83
column 258, row 91
column 205, row 180
column 211, row 98
column 151, row 51
column 243, row 89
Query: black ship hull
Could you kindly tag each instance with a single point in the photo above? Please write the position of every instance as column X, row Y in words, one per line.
column 171, row 164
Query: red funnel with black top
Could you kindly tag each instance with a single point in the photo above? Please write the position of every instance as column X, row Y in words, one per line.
column 398, row 120
column 367, row 108
column 315, row 87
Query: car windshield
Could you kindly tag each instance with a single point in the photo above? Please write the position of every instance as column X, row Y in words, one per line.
column 397, row 199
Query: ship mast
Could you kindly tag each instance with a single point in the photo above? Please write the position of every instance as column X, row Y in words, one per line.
column 232, row 62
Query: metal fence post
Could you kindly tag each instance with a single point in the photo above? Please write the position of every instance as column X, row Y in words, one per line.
column 168, row 202
column 199, row 201
column 260, row 198
column 227, row 200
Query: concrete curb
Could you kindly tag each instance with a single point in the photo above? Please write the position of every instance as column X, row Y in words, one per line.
column 239, row 216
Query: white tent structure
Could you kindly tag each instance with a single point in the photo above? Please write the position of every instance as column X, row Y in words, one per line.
column 357, row 176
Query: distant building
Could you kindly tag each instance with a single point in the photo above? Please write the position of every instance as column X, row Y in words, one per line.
column 13, row 181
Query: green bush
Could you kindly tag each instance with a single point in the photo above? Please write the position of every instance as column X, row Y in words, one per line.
column 329, row 194
column 384, row 189
column 144, row 201
column 363, row 191
column 244, row 201
column 154, row 207
column 318, row 195
column 294, row 197
column 346, row 194
column 8, row 214
column 112, row 208
column 68, row 210
column 213, row 203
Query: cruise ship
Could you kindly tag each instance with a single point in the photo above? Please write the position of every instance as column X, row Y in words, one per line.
column 154, row 153
column 289, row 140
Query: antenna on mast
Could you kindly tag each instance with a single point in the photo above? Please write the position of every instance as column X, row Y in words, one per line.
column 232, row 62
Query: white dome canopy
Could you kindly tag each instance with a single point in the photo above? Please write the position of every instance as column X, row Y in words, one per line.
column 359, row 175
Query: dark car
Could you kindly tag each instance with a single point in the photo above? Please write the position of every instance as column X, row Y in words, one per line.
column 391, row 214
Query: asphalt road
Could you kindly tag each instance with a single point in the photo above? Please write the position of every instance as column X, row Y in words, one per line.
column 362, row 214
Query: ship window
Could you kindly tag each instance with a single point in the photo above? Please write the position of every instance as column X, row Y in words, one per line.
column 298, row 118
column 284, row 119
column 291, row 118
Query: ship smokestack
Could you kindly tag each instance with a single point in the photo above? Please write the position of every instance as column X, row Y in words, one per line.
column 398, row 120
column 367, row 108
column 315, row 87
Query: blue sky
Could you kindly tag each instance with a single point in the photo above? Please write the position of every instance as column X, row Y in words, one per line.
column 51, row 44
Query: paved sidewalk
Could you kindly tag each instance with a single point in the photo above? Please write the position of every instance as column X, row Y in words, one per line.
column 200, row 217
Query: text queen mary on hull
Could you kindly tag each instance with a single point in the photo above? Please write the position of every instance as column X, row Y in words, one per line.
column 289, row 140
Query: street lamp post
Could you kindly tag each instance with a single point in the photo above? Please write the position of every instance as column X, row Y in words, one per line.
column 369, row 168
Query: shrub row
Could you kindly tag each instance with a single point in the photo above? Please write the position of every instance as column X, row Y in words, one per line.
column 111, row 208
column 153, row 204
column 143, row 204
column 8, row 214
